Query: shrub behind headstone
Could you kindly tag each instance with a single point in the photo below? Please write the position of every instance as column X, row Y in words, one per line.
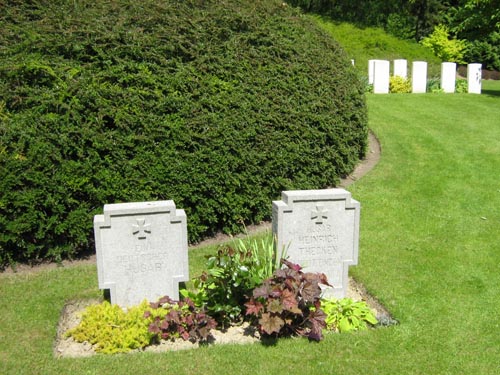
column 218, row 106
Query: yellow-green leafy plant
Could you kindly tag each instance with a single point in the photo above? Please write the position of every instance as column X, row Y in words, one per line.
column 444, row 47
column 399, row 85
column 461, row 86
column 110, row 329
column 346, row 315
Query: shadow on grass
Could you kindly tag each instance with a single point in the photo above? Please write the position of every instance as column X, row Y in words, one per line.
column 494, row 93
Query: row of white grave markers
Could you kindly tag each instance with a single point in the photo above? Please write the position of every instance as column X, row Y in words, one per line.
column 379, row 75
column 142, row 250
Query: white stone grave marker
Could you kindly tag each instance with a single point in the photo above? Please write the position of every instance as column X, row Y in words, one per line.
column 371, row 68
column 319, row 229
column 381, row 73
column 474, row 78
column 401, row 68
column 141, row 251
column 419, row 77
column 448, row 76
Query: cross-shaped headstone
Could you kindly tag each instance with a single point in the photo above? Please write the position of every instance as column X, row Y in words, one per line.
column 141, row 251
column 319, row 229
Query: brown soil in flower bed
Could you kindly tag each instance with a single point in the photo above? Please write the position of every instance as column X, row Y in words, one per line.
column 241, row 334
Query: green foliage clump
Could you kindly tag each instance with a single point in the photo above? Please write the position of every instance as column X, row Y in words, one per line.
column 231, row 276
column 112, row 330
column 442, row 46
column 288, row 303
column 399, row 85
column 461, row 86
column 434, row 85
column 216, row 105
column 366, row 43
column 346, row 315
column 485, row 51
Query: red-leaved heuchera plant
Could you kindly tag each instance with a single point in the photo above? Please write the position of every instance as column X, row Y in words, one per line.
column 289, row 303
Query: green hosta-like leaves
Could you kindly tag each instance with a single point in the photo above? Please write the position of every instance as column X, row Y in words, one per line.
column 346, row 315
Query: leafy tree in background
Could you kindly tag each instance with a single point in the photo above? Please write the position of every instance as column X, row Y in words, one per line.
column 477, row 21
column 408, row 18
column 427, row 13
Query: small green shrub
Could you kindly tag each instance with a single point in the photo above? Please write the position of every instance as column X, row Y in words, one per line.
column 399, row 85
column 461, row 86
column 434, row 85
column 288, row 303
column 231, row 276
column 346, row 315
column 171, row 320
column 112, row 330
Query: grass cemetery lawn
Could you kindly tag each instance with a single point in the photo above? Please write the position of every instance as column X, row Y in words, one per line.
column 428, row 251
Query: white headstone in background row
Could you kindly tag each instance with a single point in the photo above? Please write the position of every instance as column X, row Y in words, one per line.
column 371, row 68
column 319, row 230
column 401, row 68
column 141, row 251
column 474, row 78
column 448, row 76
column 381, row 73
column 419, row 77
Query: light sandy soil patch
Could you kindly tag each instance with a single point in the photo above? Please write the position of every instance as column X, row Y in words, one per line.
column 242, row 334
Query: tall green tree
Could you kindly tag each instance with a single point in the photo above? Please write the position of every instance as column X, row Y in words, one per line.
column 478, row 21
column 427, row 13
column 475, row 19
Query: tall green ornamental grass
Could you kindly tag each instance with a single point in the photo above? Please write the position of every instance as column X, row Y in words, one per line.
column 217, row 105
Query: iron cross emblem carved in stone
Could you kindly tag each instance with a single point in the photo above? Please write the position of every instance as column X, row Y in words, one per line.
column 141, row 229
column 319, row 214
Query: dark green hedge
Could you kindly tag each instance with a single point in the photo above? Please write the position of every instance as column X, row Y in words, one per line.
column 218, row 105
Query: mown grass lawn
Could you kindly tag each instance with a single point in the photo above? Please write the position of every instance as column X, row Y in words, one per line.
column 429, row 250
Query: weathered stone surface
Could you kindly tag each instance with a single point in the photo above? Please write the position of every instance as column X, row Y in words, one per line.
column 319, row 229
column 141, row 251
